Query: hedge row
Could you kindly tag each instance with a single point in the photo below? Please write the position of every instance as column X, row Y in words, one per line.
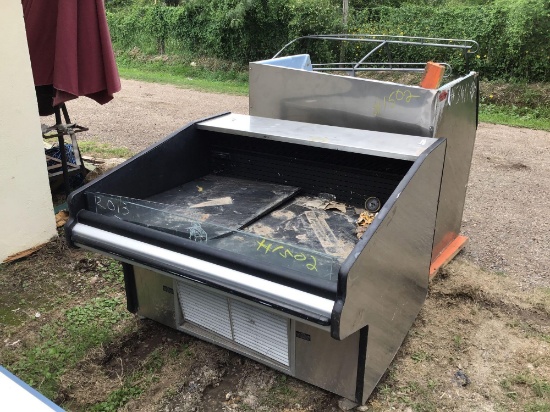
column 514, row 35
column 240, row 31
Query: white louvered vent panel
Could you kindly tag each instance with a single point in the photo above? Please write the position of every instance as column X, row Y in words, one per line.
column 260, row 331
column 205, row 309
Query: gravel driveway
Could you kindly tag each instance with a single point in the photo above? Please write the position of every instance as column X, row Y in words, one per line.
column 506, row 212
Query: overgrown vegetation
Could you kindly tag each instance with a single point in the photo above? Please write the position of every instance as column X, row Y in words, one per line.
column 514, row 35
column 515, row 104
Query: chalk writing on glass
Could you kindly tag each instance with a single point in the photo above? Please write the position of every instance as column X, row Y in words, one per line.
column 286, row 253
column 115, row 206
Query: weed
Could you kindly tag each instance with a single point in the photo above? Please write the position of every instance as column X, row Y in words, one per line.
column 458, row 342
column 136, row 383
column 421, row 356
column 432, row 384
column 385, row 390
column 280, row 394
column 282, row 387
column 154, row 361
column 118, row 398
column 514, row 323
column 188, row 352
column 417, row 397
column 113, row 272
column 539, row 387
column 537, row 407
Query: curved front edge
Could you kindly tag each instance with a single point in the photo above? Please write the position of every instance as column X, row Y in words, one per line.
column 384, row 282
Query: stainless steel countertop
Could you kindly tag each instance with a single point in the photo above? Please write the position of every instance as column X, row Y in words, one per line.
column 390, row 145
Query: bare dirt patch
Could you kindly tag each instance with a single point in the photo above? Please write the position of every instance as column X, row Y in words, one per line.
column 476, row 339
column 506, row 211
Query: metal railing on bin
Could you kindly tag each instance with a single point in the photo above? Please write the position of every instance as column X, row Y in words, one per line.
column 384, row 43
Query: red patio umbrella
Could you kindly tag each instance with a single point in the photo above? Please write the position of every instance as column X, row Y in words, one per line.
column 70, row 48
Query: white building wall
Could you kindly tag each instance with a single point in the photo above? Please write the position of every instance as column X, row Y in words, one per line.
column 26, row 210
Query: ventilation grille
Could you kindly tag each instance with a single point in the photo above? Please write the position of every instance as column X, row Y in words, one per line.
column 205, row 309
column 255, row 329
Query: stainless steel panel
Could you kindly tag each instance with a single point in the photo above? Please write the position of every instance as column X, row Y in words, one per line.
column 321, row 98
column 387, row 284
column 321, row 360
column 326, row 362
column 205, row 309
column 267, row 291
column 155, row 295
column 455, row 119
column 368, row 142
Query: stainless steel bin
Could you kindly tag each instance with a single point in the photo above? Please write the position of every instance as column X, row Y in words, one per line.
column 289, row 88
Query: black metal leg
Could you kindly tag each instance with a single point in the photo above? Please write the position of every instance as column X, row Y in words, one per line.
column 62, row 151
column 65, row 113
column 57, row 116
column 76, row 149
column 64, row 166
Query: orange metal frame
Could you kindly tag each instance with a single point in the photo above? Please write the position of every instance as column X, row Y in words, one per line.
column 448, row 254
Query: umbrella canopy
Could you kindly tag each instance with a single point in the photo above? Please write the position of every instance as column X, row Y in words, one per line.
column 70, row 48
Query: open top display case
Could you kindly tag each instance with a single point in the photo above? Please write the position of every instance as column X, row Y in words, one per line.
column 243, row 231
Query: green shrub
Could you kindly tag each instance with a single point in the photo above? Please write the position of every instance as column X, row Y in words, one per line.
column 514, row 35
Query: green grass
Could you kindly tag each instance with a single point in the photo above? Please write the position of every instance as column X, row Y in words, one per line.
column 67, row 337
column 514, row 116
column 540, row 388
column 421, row 356
column 416, row 396
column 280, row 394
column 538, row 407
column 205, row 85
column 103, row 150
column 62, row 343
column 118, row 398
column 218, row 79
column 134, row 384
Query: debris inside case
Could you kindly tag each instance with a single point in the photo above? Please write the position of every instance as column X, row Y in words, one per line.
column 269, row 222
